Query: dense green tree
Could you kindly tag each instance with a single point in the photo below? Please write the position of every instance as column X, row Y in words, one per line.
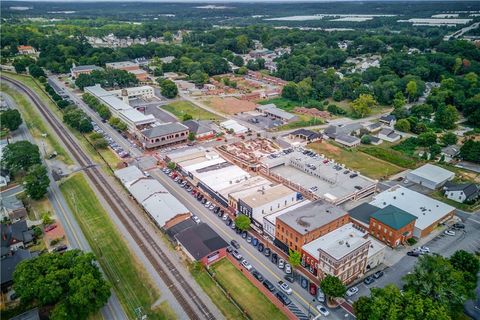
column 449, row 138
column 37, row 181
column 294, row 258
column 304, row 89
column 238, row 61
column 366, row 139
column 466, row 262
column 36, row 71
column 169, row 89
column 411, row 90
column 427, row 139
column 362, row 106
column 399, row 100
column 403, row 125
column 78, row 119
column 10, row 119
column 71, row 283
column 19, row 156
column 191, row 136
column 199, row 78
column 118, row 124
column 171, row 165
column 470, row 151
column 186, row 117
column 242, row 222
column 421, row 110
column 167, row 36
column 434, row 277
column 332, row 287
column 290, row 91
column 446, row 117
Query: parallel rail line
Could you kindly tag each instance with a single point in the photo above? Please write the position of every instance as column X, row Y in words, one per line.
column 125, row 215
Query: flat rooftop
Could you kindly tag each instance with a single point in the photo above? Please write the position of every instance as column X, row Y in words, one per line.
column 338, row 243
column 312, row 216
column 433, row 173
column 245, row 187
column 121, row 64
column 273, row 217
column 426, row 209
column 259, row 197
column 311, row 173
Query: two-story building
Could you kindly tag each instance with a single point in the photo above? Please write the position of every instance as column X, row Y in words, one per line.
column 392, row 225
column 165, row 134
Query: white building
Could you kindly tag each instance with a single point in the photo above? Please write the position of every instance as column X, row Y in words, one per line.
column 233, row 125
column 389, row 135
column 462, row 192
column 134, row 119
column 430, row 176
column 429, row 212
column 269, row 221
column 127, row 94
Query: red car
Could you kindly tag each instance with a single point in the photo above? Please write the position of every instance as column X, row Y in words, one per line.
column 325, row 161
column 50, row 227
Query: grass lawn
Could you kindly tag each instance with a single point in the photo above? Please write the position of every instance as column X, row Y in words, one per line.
column 252, row 300
column 282, row 103
column 126, row 274
column 179, row 108
column 228, row 309
column 387, row 154
column 305, row 121
column 35, row 124
column 356, row 160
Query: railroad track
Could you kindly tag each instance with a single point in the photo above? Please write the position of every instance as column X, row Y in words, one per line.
column 134, row 227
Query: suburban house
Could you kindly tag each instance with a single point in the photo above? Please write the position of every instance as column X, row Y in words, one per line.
column 12, row 208
column 450, row 152
column 467, row 192
column 165, row 134
column 389, row 135
column 374, row 127
column 347, row 140
column 430, row 176
column 15, row 236
column 22, row 49
column 389, row 120
column 375, row 141
column 75, row 71
column 333, row 131
column 304, row 134
column 201, row 129
column 201, row 243
column 8, row 265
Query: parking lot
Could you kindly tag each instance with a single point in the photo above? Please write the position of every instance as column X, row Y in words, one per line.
column 111, row 143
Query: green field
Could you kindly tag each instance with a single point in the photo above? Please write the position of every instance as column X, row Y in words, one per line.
column 354, row 159
column 127, row 275
column 387, row 154
column 35, row 123
column 282, row 103
column 253, row 301
column 226, row 306
column 180, row 108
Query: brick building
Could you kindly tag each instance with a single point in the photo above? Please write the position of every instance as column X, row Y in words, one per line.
column 307, row 223
column 392, row 225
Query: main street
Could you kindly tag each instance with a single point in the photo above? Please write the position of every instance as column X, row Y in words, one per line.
column 76, row 239
column 261, row 263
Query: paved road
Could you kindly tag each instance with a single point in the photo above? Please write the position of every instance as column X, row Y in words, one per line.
column 462, row 31
column 75, row 236
column 300, row 296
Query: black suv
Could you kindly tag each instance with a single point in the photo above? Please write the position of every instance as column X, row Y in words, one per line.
column 257, row 275
column 459, row 226
column 235, row 244
column 267, row 284
column 283, row 298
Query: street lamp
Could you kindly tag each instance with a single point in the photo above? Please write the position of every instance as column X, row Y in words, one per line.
column 309, row 304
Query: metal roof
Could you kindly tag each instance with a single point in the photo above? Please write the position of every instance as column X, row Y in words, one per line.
column 393, row 217
column 164, row 129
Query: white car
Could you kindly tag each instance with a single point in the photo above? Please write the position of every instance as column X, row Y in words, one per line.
column 424, row 249
column 236, row 255
column 207, row 204
column 281, row 263
column 351, row 291
column 288, row 268
column 196, row 219
column 225, row 217
column 247, row 265
column 285, row 287
column 320, row 295
column 322, row 310
column 449, row 232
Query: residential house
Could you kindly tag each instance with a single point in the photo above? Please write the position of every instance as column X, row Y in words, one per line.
column 389, row 120
column 374, row 127
column 392, row 225
column 347, row 140
column 450, row 152
column 375, row 141
column 75, row 71
column 22, row 49
column 200, row 128
column 467, row 192
column 15, row 236
column 389, row 135
column 304, row 134
column 12, row 208
column 8, row 265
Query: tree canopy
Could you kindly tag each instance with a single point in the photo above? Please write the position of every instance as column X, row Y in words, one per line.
column 19, row 156
column 243, row 222
column 10, row 119
column 71, row 283
column 37, row 181
column 333, row 287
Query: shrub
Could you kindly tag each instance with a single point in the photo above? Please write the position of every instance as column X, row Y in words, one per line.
column 411, row 241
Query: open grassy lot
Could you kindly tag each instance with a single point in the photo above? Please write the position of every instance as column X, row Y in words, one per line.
column 387, row 154
column 179, row 108
column 35, row 124
column 228, row 309
column 354, row 159
column 304, row 121
column 281, row 103
column 127, row 276
column 252, row 300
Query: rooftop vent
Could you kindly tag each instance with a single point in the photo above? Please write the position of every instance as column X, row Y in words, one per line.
column 394, row 197
column 340, row 242
column 348, row 244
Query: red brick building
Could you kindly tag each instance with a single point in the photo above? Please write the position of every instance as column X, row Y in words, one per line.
column 392, row 225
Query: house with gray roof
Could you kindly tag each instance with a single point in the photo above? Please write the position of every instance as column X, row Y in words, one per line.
column 450, row 152
column 347, row 140
column 201, row 128
column 12, row 208
column 466, row 192
column 273, row 111
column 165, row 134
column 389, row 135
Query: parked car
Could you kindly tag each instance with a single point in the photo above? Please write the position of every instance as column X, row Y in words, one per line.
column 228, row 222
column 459, row 225
column 235, row 244
column 320, row 295
column 211, row 207
column 284, row 287
column 50, row 227
column 204, row 201
column 207, row 204
column 257, row 275
column 255, row 242
column 281, row 263
column 352, row 291
column 60, row 248
column 274, row 258
column 196, row 219
column 232, row 225
column 237, row 255
column 449, row 232
column 249, row 239
column 267, row 284
column 353, row 175
column 260, row 247
column 246, row 265
column 283, row 298
column 267, row 252
column 322, row 310
column 424, row 249
column 288, row 268
column 413, row 253
column 216, row 209
column 369, row 280
column 288, row 277
column 229, row 249
column 244, row 234
column 378, row 274
column 225, row 217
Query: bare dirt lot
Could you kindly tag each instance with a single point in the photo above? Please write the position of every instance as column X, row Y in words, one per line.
column 230, row 105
